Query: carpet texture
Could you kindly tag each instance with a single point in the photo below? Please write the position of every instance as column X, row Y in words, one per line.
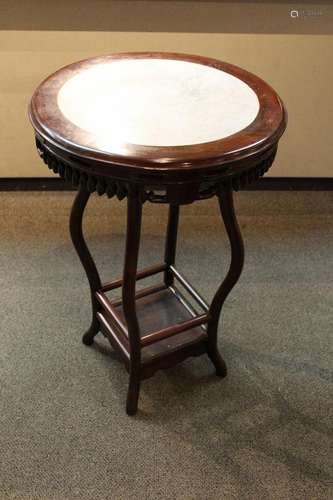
column 264, row 432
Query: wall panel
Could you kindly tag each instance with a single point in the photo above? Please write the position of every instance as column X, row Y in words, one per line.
column 296, row 65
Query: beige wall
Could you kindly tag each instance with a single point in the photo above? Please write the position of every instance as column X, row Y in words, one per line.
column 297, row 66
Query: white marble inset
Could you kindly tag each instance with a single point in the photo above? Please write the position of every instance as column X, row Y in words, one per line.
column 157, row 102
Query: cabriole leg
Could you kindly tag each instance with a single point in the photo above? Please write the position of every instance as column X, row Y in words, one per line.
column 235, row 269
column 134, row 213
column 86, row 259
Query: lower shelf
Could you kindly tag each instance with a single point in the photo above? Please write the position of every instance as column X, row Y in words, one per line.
column 156, row 311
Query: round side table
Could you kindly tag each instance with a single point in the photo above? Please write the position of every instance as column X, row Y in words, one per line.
column 164, row 128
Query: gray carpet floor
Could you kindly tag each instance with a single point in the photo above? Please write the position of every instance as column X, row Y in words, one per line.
column 264, row 432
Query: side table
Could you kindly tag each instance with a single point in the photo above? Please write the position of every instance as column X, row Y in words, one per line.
column 164, row 128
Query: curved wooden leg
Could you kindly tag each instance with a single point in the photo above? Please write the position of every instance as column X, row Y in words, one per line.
column 86, row 259
column 235, row 269
column 134, row 213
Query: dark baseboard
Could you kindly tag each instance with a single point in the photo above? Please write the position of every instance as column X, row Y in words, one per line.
column 263, row 184
column 35, row 184
column 292, row 184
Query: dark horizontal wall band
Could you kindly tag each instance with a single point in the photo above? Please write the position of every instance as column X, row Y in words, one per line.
column 264, row 184
column 34, row 184
column 292, row 184
column 279, row 16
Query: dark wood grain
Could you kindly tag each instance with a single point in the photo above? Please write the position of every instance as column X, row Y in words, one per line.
column 134, row 214
column 171, row 243
column 262, row 133
column 86, row 259
column 157, row 327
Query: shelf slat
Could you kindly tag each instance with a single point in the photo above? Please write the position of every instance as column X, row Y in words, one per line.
column 144, row 273
column 141, row 293
column 191, row 290
column 107, row 306
column 172, row 330
column 114, row 337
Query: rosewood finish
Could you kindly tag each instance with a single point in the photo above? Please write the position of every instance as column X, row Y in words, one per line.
column 157, row 326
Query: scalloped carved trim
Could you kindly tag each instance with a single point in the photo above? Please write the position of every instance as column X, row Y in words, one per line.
column 101, row 185
column 253, row 174
column 120, row 189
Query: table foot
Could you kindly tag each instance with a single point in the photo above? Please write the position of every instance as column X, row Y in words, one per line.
column 218, row 362
column 133, row 394
column 88, row 337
